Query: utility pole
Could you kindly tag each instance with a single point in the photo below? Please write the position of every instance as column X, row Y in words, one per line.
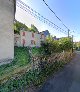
column 68, row 33
column 72, row 43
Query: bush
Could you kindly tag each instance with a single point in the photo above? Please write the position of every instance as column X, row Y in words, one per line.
column 53, row 46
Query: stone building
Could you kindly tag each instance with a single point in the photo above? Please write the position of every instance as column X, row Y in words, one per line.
column 26, row 38
column 7, row 14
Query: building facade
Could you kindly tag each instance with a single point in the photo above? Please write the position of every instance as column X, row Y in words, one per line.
column 46, row 33
column 7, row 13
column 27, row 38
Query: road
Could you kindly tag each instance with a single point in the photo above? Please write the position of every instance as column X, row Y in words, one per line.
column 66, row 80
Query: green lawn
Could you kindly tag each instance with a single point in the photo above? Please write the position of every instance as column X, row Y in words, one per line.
column 36, row 51
column 20, row 61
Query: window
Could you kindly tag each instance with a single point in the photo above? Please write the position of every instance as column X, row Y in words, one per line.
column 33, row 35
column 23, row 34
column 33, row 42
column 42, row 36
column 23, row 42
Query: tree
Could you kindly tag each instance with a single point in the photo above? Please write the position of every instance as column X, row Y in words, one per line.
column 77, row 45
column 66, row 43
column 18, row 26
column 33, row 28
column 51, row 46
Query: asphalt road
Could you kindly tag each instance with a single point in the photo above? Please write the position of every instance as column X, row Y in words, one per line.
column 67, row 80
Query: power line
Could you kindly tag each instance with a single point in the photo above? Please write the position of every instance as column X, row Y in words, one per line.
column 73, row 32
column 38, row 16
column 55, row 14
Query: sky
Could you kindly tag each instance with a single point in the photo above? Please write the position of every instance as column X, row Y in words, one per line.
column 67, row 10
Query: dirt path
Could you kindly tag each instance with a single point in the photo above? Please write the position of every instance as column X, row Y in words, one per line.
column 67, row 80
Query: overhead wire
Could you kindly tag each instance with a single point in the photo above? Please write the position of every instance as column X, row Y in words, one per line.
column 55, row 14
column 38, row 16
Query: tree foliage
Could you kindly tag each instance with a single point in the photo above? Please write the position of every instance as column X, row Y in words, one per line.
column 20, row 26
column 66, row 43
column 52, row 46
column 33, row 28
column 77, row 45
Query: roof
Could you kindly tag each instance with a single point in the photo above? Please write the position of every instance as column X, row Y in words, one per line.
column 46, row 33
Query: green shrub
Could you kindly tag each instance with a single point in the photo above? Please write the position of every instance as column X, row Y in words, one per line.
column 35, row 77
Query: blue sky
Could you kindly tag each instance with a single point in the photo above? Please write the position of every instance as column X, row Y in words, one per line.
column 67, row 10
